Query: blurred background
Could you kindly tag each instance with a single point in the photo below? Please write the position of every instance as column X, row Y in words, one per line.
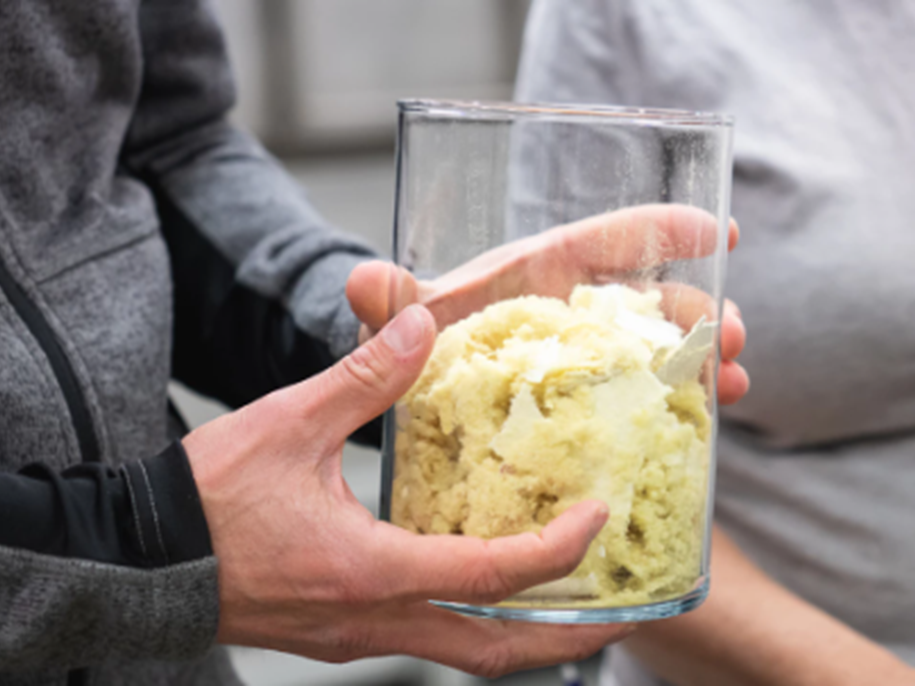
column 318, row 82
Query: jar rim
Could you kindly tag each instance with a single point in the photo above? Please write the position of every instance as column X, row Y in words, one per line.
column 500, row 111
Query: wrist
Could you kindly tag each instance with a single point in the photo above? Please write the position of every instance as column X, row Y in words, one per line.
column 229, row 461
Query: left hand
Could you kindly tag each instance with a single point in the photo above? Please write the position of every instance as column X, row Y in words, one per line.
column 304, row 568
column 554, row 262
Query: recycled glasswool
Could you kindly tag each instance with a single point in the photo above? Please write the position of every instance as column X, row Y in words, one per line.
column 573, row 257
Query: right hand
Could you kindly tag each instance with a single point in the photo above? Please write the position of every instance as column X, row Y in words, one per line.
column 599, row 249
column 305, row 569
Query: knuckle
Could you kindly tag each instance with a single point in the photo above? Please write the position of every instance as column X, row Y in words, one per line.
column 353, row 589
column 488, row 582
column 563, row 565
column 375, row 593
column 357, row 594
column 582, row 650
column 356, row 585
column 348, row 643
column 561, row 558
column 495, row 662
column 265, row 407
column 367, row 367
column 278, row 404
column 348, row 595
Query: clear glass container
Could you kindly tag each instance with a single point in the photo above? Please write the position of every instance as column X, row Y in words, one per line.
column 573, row 257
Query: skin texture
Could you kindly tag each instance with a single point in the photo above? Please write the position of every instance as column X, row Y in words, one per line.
column 753, row 632
column 304, row 568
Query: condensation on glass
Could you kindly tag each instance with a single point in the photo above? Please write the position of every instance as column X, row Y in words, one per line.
column 578, row 256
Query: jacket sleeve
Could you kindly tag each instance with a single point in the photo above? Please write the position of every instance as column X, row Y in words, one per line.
column 101, row 564
column 259, row 276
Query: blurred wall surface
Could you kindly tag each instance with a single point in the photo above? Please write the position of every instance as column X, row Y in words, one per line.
column 325, row 74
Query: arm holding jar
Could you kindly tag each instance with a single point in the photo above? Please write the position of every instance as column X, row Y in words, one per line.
column 751, row 630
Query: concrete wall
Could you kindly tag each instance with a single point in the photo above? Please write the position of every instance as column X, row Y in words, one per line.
column 325, row 74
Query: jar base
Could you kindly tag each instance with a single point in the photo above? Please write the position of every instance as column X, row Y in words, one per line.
column 605, row 615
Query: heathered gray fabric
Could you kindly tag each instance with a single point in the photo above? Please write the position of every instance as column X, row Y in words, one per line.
column 94, row 94
column 52, row 611
column 282, row 249
column 817, row 464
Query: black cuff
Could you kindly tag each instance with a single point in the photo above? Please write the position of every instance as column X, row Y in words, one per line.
column 170, row 523
column 145, row 514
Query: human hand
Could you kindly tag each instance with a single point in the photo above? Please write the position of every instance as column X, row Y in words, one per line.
column 600, row 249
column 305, row 569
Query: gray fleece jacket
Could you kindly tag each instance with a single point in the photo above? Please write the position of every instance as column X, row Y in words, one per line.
column 141, row 238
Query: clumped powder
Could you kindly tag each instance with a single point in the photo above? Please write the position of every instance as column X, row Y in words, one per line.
column 535, row 404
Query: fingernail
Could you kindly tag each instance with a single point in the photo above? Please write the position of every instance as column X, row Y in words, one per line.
column 406, row 332
column 741, row 324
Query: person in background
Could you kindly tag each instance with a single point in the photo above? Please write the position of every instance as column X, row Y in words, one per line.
column 813, row 551
column 144, row 238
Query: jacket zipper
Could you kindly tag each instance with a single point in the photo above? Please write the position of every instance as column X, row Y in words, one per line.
column 60, row 363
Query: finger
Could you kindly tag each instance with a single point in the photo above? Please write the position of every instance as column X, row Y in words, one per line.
column 594, row 250
column 638, row 237
column 366, row 383
column 683, row 305
column 733, row 383
column 733, row 332
column 368, row 292
column 379, row 290
column 733, row 234
column 485, row 647
column 467, row 569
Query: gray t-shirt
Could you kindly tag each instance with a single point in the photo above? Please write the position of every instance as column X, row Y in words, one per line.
column 816, row 477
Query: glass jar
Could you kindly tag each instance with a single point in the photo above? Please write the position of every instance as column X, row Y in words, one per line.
column 574, row 260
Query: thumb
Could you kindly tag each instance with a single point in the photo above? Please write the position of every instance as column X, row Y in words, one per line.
column 371, row 379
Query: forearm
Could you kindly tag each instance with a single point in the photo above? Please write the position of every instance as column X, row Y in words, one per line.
column 251, row 321
column 751, row 631
column 258, row 275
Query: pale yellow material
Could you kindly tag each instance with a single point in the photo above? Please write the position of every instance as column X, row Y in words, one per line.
column 533, row 405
